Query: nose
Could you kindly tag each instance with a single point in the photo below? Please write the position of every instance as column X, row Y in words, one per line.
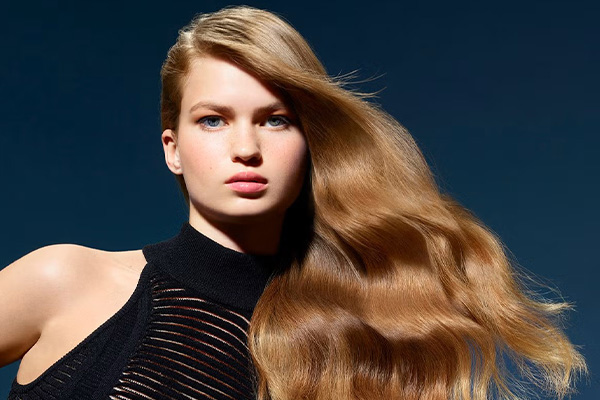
column 245, row 144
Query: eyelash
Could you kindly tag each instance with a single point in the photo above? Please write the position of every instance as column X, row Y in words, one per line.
column 286, row 121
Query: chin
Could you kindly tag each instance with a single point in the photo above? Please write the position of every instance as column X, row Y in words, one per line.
column 246, row 211
column 243, row 216
column 254, row 217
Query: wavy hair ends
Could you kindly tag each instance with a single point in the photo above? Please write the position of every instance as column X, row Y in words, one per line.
column 395, row 291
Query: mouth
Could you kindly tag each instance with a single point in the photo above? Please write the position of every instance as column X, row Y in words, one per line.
column 247, row 186
column 247, row 177
column 250, row 180
column 247, row 182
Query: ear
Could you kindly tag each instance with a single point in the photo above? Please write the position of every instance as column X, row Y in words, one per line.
column 171, row 149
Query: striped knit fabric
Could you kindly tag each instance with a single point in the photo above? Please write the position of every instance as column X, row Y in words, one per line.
column 180, row 335
column 193, row 349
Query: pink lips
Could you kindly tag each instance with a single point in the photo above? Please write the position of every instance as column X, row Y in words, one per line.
column 247, row 182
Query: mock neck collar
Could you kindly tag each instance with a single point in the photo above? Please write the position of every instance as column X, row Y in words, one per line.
column 227, row 276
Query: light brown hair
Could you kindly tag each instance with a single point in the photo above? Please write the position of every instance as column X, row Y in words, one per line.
column 395, row 291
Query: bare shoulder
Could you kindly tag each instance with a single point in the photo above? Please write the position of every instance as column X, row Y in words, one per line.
column 47, row 268
column 46, row 279
column 58, row 266
column 45, row 286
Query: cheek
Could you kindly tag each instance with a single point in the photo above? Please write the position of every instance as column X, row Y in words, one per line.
column 198, row 156
column 302, row 153
column 295, row 157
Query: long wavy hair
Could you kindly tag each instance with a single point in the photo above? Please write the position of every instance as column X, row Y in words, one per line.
column 394, row 290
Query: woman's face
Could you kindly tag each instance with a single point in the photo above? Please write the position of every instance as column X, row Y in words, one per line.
column 231, row 123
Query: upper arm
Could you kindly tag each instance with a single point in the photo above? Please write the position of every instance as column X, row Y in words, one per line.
column 31, row 291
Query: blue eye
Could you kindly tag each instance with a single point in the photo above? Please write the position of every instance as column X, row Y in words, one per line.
column 210, row 121
column 213, row 121
column 280, row 120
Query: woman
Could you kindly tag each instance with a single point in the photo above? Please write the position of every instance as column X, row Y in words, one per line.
column 320, row 260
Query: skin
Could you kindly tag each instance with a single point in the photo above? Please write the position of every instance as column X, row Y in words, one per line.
column 55, row 296
column 208, row 152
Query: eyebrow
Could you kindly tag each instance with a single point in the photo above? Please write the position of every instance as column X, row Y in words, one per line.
column 277, row 105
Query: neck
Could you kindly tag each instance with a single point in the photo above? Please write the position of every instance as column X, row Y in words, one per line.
column 254, row 237
column 222, row 274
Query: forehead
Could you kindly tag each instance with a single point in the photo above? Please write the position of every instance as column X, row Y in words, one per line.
column 210, row 77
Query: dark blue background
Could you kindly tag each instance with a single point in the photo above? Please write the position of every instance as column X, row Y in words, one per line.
column 502, row 97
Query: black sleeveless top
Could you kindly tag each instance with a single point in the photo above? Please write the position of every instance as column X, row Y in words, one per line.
column 181, row 335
